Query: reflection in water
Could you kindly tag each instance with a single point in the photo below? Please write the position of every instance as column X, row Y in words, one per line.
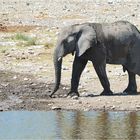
column 78, row 125
column 132, row 126
column 102, row 120
column 70, row 125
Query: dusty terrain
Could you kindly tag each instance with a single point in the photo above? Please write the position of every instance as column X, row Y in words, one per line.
column 28, row 33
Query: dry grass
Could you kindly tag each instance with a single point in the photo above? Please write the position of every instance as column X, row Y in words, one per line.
column 18, row 28
column 73, row 17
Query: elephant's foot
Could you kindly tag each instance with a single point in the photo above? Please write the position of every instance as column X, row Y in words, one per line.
column 130, row 91
column 106, row 93
column 73, row 95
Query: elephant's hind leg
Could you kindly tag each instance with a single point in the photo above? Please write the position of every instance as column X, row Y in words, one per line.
column 101, row 72
column 132, row 87
column 78, row 66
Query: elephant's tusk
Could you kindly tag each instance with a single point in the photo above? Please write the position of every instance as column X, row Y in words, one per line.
column 59, row 58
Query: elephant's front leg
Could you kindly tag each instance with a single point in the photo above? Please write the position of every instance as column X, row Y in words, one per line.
column 101, row 72
column 78, row 66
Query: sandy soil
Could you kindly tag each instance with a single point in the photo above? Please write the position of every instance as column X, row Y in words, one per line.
column 28, row 32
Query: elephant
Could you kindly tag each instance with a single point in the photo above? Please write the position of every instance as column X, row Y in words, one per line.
column 101, row 43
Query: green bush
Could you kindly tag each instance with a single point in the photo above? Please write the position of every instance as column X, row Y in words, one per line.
column 28, row 40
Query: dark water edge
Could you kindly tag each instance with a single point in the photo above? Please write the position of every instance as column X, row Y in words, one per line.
column 69, row 125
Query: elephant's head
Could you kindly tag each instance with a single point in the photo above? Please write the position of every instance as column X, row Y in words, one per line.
column 76, row 38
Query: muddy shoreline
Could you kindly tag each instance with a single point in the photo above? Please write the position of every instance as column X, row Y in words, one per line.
column 30, row 94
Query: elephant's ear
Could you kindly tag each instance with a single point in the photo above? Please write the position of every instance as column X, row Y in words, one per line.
column 87, row 36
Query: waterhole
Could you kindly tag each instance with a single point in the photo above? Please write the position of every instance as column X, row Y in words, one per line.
column 69, row 125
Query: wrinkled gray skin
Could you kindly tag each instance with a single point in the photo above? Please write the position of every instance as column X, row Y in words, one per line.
column 114, row 43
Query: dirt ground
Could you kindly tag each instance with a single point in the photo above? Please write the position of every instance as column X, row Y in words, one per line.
column 27, row 78
column 28, row 33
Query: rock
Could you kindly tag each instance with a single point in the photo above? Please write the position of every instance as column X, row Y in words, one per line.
column 80, row 86
column 50, row 104
column 110, row 1
column 112, row 107
column 31, row 52
column 7, row 54
column 15, row 77
column 138, row 106
column 83, row 93
column 80, row 102
column 23, row 57
column 61, row 96
column 26, row 79
column 5, row 85
column 74, row 97
column 86, row 70
column 64, row 96
column 65, row 68
column 41, row 67
column 56, row 108
column 20, row 22
column 86, row 109
column 64, row 88
column 27, row 3
column 13, row 49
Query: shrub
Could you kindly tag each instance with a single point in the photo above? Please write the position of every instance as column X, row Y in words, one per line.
column 28, row 40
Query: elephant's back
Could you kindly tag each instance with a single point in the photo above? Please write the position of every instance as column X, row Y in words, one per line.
column 119, row 31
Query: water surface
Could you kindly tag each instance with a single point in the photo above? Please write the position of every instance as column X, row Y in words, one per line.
column 69, row 125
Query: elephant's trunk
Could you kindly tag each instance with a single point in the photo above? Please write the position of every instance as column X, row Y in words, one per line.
column 57, row 67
